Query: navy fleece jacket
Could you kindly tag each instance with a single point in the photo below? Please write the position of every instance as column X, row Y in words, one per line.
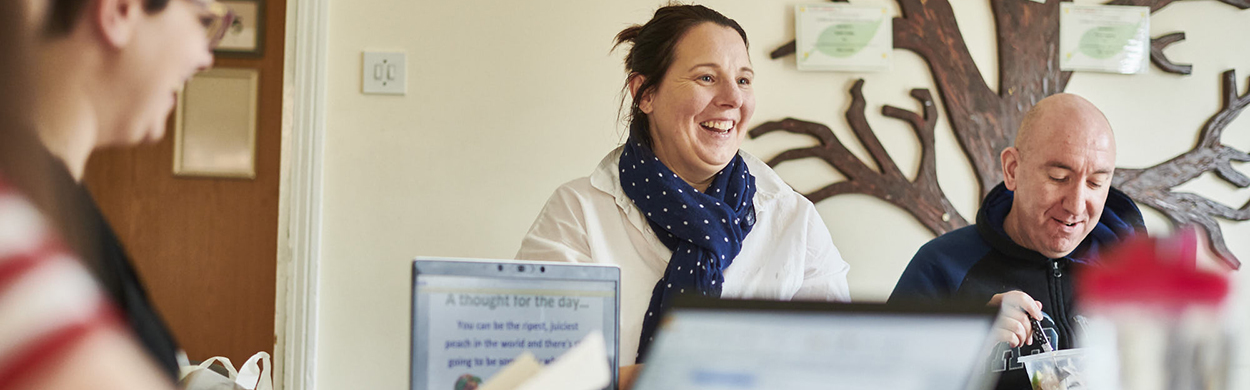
column 973, row 263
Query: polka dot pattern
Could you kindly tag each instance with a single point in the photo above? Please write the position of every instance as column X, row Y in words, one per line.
column 694, row 224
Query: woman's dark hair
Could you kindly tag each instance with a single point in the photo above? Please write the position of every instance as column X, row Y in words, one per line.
column 25, row 165
column 652, row 52
column 64, row 14
column 17, row 139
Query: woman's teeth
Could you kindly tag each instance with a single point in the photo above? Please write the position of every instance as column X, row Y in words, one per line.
column 722, row 126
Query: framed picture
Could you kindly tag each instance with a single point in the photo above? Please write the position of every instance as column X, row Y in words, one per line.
column 215, row 125
column 246, row 35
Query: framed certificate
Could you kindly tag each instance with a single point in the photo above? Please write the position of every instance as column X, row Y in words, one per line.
column 215, row 125
column 843, row 37
column 1104, row 38
column 246, row 35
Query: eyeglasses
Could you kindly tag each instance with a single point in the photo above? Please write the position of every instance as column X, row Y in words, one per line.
column 217, row 20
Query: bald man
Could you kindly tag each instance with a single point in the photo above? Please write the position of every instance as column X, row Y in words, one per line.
column 1055, row 208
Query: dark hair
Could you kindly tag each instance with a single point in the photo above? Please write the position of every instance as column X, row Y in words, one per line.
column 64, row 14
column 16, row 87
column 652, row 51
column 23, row 161
column 25, row 164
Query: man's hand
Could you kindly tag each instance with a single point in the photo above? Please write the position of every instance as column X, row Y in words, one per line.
column 1016, row 310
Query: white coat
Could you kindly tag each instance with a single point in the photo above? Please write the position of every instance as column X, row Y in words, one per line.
column 787, row 255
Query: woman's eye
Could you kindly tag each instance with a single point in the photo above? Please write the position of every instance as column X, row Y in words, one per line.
column 207, row 21
column 1059, row 179
column 744, row 81
column 705, row 78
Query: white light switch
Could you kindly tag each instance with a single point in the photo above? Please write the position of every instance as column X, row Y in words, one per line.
column 384, row 73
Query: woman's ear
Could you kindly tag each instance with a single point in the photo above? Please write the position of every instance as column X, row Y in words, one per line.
column 116, row 20
column 645, row 103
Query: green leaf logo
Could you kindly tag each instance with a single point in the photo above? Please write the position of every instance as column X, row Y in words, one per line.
column 1107, row 41
column 845, row 39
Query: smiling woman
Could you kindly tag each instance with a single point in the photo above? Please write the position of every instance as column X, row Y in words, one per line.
column 679, row 207
column 690, row 78
column 697, row 114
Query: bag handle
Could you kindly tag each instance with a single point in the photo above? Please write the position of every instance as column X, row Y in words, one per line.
column 252, row 378
column 225, row 362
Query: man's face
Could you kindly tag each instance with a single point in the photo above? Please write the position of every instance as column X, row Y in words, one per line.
column 1060, row 178
column 167, row 48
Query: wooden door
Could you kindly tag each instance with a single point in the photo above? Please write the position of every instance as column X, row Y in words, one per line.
column 206, row 248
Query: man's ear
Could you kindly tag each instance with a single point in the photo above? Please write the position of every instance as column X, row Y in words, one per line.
column 116, row 20
column 646, row 102
column 1011, row 161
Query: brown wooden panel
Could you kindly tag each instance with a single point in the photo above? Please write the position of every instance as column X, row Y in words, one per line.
column 206, row 248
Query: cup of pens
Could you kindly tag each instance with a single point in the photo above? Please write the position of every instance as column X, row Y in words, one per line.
column 1056, row 370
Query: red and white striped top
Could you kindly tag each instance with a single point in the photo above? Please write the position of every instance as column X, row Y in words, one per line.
column 48, row 300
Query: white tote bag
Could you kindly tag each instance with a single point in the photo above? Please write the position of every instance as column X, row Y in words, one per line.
column 254, row 374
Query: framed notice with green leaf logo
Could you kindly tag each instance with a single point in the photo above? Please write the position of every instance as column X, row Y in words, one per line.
column 1104, row 38
column 843, row 37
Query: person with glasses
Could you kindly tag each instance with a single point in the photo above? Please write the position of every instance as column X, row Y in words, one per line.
column 108, row 75
column 58, row 327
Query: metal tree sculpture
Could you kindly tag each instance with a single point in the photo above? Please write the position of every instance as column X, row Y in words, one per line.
column 921, row 197
column 984, row 121
column 1153, row 186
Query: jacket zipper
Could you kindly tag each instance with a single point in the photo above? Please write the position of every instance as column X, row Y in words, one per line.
column 1060, row 313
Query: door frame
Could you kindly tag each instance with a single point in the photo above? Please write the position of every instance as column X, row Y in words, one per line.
column 300, row 195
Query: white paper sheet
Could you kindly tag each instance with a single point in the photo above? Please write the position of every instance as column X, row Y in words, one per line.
column 583, row 367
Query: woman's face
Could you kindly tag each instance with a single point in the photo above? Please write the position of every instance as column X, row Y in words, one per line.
column 698, row 114
column 169, row 47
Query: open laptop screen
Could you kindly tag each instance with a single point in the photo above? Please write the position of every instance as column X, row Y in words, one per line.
column 792, row 345
column 471, row 318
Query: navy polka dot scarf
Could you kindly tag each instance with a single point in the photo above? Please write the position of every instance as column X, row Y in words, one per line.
column 703, row 229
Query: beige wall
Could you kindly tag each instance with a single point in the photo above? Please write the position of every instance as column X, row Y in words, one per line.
column 507, row 100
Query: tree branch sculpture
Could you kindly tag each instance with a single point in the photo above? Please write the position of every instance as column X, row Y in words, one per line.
column 1153, row 186
column 985, row 121
column 1162, row 61
column 921, row 197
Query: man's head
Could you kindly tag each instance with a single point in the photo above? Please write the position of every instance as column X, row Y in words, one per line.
column 136, row 55
column 1060, row 169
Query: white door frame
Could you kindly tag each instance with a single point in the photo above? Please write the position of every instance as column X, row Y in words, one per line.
column 299, row 226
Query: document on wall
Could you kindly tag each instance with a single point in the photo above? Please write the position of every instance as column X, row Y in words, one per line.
column 1104, row 38
column 843, row 37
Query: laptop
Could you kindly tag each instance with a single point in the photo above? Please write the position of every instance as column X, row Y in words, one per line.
column 746, row 344
column 470, row 318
